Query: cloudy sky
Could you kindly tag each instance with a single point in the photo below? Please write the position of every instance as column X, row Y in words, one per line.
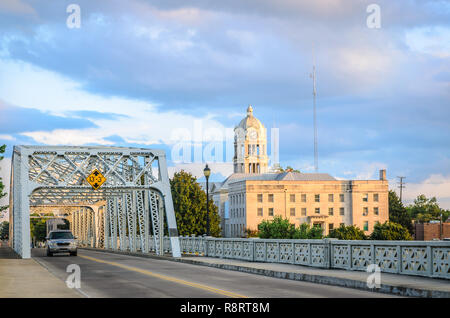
column 150, row 73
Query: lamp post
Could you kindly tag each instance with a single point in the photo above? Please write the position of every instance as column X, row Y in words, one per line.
column 207, row 172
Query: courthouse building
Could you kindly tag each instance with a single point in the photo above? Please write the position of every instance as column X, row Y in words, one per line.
column 254, row 192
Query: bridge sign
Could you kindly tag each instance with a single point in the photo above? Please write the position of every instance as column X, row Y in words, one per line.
column 96, row 179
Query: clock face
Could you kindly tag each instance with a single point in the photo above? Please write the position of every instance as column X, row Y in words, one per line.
column 253, row 135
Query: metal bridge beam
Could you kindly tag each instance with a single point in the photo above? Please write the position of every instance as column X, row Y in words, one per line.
column 134, row 194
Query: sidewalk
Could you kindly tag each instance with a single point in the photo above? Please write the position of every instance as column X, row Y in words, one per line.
column 401, row 285
column 24, row 278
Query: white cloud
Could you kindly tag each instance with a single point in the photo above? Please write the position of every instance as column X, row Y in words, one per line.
column 429, row 40
column 7, row 137
column 142, row 122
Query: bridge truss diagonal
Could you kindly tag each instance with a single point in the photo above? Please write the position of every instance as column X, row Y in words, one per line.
column 123, row 214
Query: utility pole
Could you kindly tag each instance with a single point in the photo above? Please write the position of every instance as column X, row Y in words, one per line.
column 313, row 76
column 401, row 186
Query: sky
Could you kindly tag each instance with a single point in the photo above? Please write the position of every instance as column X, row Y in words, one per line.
column 161, row 73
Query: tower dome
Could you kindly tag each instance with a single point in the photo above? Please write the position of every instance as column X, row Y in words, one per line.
column 250, row 145
column 250, row 120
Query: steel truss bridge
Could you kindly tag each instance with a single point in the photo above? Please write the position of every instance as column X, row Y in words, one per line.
column 122, row 214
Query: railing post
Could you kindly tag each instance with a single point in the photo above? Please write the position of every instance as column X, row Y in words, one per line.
column 400, row 259
column 293, row 252
column 309, row 254
column 265, row 251
column 372, row 251
column 350, row 256
column 327, row 251
column 278, row 251
column 430, row 260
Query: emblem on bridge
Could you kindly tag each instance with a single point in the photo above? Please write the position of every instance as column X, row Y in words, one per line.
column 96, row 179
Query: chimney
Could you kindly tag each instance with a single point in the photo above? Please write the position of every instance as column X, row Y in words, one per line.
column 383, row 174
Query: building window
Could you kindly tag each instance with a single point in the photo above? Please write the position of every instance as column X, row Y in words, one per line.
column 366, row 225
column 366, row 197
column 270, row 211
column 375, row 197
column 292, row 211
column 304, row 211
column 260, row 198
column 317, row 210
column 330, row 211
column 270, row 197
column 317, row 197
column 341, row 211
column 260, row 212
column 341, row 197
column 292, row 197
column 365, row 211
column 330, row 198
column 303, row 197
column 375, row 210
column 330, row 227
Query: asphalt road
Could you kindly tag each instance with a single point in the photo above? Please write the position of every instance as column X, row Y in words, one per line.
column 114, row 275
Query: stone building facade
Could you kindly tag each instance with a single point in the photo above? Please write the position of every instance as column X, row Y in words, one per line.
column 314, row 198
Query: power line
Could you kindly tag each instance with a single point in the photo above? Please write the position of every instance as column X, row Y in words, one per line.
column 401, row 186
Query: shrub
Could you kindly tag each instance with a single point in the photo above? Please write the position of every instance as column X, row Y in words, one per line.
column 390, row 231
column 280, row 228
column 350, row 232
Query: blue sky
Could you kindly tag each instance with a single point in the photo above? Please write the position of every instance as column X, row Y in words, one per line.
column 146, row 73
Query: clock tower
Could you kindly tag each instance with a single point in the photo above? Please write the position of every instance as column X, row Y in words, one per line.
column 250, row 145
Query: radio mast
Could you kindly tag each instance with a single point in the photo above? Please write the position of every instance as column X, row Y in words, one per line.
column 313, row 76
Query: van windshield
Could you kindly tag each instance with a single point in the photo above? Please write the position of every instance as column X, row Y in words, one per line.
column 60, row 235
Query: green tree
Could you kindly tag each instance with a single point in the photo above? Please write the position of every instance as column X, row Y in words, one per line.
column 280, row 228
column 251, row 233
column 350, row 232
column 425, row 210
column 398, row 213
column 277, row 228
column 390, row 231
column 289, row 169
column 316, row 232
column 302, row 232
column 38, row 229
column 4, row 230
column 189, row 201
column 2, row 186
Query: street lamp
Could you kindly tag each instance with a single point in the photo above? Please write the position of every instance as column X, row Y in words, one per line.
column 207, row 173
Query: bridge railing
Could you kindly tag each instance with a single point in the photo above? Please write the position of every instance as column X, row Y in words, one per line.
column 421, row 258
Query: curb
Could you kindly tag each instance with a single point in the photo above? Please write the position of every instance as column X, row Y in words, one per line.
column 317, row 279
